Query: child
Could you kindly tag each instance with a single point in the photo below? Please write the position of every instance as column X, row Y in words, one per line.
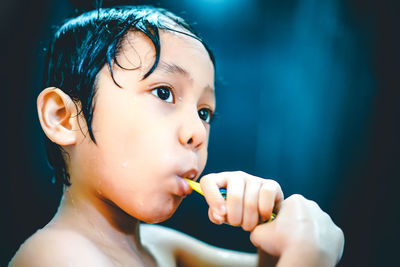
column 126, row 112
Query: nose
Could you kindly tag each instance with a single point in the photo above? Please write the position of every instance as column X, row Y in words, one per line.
column 192, row 131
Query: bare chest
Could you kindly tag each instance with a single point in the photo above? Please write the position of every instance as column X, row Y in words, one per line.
column 156, row 256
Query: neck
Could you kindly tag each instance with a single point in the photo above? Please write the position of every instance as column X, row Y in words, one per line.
column 98, row 219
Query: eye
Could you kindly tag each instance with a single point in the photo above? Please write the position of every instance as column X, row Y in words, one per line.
column 205, row 114
column 164, row 93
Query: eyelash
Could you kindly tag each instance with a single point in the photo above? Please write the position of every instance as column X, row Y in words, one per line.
column 166, row 98
column 210, row 115
column 166, row 88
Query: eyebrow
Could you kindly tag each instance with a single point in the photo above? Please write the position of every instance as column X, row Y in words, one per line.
column 171, row 68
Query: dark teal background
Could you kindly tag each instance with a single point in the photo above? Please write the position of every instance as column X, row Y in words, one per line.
column 307, row 94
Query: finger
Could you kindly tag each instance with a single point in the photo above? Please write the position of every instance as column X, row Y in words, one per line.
column 234, row 198
column 250, row 207
column 210, row 185
column 270, row 197
column 215, row 218
column 265, row 237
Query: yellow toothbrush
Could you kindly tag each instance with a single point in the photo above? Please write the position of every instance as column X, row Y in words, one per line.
column 196, row 187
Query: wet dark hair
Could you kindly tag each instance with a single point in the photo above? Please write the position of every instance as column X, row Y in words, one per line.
column 84, row 44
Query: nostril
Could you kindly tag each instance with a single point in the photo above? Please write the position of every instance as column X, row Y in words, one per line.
column 190, row 141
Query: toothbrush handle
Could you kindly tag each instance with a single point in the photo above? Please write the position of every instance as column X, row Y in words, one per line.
column 223, row 192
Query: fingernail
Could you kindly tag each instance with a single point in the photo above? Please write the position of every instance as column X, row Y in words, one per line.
column 218, row 217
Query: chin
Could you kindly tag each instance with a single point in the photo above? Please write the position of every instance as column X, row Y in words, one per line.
column 156, row 220
column 160, row 213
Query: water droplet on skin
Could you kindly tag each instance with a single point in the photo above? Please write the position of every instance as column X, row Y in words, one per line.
column 98, row 185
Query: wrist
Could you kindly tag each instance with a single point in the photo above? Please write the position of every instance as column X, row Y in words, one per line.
column 265, row 259
column 305, row 256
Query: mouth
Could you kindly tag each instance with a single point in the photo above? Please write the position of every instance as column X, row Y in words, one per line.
column 184, row 188
column 190, row 174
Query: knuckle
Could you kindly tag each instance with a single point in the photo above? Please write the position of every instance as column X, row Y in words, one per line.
column 231, row 179
column 240, row 173
column 314, row 205
column 296, row 198
column 271, row 186
column 326, row 218
column 265, row 189
column 340, row 233
column 273, row 183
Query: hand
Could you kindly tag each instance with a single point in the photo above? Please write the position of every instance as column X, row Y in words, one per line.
column 301, row 235
column 249, row 199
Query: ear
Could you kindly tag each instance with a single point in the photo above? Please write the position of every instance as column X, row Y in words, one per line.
column 58, row 116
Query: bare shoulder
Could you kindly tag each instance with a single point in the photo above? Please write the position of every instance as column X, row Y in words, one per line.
column 57, row 247
column 189, row 251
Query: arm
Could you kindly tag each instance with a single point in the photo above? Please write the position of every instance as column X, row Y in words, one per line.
column 197, row 253
column 189, row 251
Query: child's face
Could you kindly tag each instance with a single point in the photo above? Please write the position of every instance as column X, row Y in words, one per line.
column 149, row 134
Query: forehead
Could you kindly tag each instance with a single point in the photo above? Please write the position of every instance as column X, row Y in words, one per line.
column 179, row 53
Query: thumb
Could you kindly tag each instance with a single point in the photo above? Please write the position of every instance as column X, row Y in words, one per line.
column 265, row 237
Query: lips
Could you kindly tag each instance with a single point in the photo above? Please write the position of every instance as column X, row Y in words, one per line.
column 189, row 174
column 183, row 186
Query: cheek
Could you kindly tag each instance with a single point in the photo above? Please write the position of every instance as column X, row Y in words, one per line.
column 135, row 183
column 133, row 130
column 135, row 154
column 133, row 170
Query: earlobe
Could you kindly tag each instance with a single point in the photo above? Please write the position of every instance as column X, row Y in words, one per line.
column 57, row 115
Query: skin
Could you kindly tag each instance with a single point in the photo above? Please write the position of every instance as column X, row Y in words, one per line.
column 145, row 145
